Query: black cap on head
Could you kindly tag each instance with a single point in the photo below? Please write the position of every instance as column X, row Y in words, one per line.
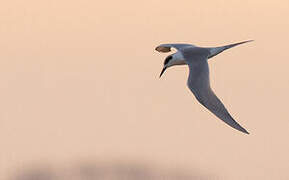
column 167, row 59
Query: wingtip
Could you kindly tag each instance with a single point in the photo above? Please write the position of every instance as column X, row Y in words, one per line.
column 251, row 40
column 159, row 48
column 245, row 131
column 163, row 49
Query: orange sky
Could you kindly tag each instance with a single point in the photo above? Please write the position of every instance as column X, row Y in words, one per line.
column 79, row 80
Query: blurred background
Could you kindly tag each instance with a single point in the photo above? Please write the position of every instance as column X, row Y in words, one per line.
column 80, row 89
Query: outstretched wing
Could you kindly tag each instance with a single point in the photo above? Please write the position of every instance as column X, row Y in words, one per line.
column 199, row 84
column 217, row 50
column 167, row 47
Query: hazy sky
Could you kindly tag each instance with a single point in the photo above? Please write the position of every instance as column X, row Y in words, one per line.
column 79, row 80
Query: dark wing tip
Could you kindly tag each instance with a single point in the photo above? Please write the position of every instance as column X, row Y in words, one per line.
column 163, row 49
column 234, row 124
column 245, row 131
column 239, row 127
column 250, row 40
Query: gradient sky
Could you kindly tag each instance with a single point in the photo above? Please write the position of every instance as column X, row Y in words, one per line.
column 79, row 80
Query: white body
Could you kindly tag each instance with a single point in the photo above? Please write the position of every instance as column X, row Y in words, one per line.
column 198, row 80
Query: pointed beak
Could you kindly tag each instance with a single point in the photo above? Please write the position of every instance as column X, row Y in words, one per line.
column 163, row 71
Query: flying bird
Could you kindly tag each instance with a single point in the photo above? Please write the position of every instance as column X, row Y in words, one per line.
column 198, row 81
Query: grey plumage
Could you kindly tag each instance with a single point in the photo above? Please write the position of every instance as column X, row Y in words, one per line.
column 198, row 80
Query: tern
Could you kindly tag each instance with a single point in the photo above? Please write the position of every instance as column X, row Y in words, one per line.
column 198, row 81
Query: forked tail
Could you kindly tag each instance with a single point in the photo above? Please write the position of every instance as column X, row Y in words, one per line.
column 217, row 50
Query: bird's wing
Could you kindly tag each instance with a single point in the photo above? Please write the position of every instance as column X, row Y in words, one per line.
column 199, row 84
column 217, row 50
column 167, row 47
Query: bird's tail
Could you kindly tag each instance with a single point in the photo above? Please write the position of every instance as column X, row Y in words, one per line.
column 217, row 50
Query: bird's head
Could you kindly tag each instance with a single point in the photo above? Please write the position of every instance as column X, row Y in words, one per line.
column 172, row 60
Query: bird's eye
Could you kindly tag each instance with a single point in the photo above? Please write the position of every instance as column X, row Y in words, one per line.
column 167, row 60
